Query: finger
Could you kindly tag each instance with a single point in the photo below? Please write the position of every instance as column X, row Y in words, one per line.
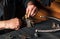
column 17, row 28
column 36, row 11
column 30, row 10
column 33, row 11
column 27, row 11
column 34, row 14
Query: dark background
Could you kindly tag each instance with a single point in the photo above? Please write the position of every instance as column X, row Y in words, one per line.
column 14, row 8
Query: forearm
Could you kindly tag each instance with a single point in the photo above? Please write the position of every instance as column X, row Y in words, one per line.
column 2, row 25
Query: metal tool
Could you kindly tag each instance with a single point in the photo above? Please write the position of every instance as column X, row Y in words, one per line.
column 28, row 21
column 50, row 17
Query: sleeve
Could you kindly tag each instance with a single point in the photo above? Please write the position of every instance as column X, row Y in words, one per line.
column 25, row 2
column 46, row 2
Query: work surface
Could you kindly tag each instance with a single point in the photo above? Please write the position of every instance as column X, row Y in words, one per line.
column 29, row 33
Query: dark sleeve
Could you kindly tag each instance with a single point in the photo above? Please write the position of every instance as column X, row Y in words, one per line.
column 46, row 2
column 9, row 9
column 25, row 2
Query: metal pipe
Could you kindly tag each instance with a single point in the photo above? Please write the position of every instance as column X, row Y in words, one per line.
column 50, row 17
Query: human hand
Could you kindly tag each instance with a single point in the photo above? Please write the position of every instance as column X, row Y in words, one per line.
column 30, row 10
column 13, row 24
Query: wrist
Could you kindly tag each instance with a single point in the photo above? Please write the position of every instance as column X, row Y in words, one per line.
column 6, row 24
column 30, row 3
column 2, row 25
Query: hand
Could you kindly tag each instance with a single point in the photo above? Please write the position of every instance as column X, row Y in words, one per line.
column 13, row 24
column 30, row 10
